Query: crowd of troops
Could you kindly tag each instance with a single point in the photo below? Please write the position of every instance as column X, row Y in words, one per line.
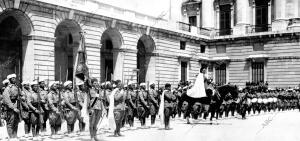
column 249, row 101
column 36, row 103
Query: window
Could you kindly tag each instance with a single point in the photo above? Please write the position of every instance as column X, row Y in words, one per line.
column 193, row 20
column 202, row 48
column 108, row 44
column 70, row 39
column 220, row 74
column 108, row 69
column 183, row 71
column 221, row 49
column 258, row 47
column 182, row 45
column 225, row 19
column 261, row 12
column 257, row 72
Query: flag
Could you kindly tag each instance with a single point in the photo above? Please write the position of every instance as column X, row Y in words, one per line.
column 82, row 71
column 111, row 117
column 198, row 90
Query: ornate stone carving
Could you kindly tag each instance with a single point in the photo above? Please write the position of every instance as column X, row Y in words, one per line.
column 191, row 7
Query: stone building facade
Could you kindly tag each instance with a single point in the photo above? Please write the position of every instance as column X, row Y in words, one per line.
column 239, row 40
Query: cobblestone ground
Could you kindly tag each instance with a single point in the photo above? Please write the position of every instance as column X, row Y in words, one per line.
column 274, row 126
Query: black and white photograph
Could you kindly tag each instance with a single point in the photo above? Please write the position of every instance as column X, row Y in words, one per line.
column 149, row 70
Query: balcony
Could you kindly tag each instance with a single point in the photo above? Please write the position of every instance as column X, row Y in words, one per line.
column 223, row 32
column 258, row 28
column 184, row 26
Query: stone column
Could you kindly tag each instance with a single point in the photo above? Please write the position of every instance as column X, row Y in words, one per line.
column 253, row 14
column 292, row 12
column 232, row 15
column 208, row 7
column 242, row 11
column 217, row 18
column 269, row 12
column 280, row 22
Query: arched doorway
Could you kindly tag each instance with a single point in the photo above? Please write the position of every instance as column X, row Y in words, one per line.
column 111, row 57
column 67, row 38
column 14, row 48
column 145, row 59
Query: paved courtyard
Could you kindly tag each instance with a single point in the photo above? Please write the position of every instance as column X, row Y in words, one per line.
column 282, row 126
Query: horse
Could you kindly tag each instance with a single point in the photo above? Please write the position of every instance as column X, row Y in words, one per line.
column 209, row 104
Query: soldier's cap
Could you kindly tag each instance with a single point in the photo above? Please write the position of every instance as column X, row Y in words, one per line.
column 11, row 76
column 125, row 86
column 67, row 83
column 152, row 83
column 185, row 87
column 6, row 81
column 25, row 82
column 52, row 83
column 34, row 83
column 80, row 83
column 143, row 84
column 107, row 83
column 40, row 81
column 102, row 84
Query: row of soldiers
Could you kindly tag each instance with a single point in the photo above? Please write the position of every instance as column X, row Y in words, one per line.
column 280, row 100
column 34, row 103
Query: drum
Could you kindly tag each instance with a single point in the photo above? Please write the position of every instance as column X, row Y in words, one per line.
column 265, row 101
column 254, row 100
column 260, row 100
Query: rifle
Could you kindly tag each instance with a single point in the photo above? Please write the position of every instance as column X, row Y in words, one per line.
column 59, row 95
column 148, row 95
column 19, row 105
column 104, row 92
column 39, row 102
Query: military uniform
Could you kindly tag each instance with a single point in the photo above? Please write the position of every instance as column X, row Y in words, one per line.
column 153, row 95
column 81, row 95
column 130, row 102
column 25, row 110
column 36, row 117
column 96, row 108
column 71, row 111
column 45, row 107
column 142, row 106
column 55, row 118
column 10, row 102
column 169, row 98
column 119, row 109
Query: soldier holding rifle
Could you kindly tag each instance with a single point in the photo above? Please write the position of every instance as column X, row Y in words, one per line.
column 55, row 118
column 44, row 92
column 143, row 107
column 71, row 109
column 10, row 102
column 25, row 113
column 36, row 111
column 130, row 102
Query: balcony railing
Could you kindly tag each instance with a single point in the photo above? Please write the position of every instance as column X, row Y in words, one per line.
column 259, row 28
column 184, row 26
column 203, row 31
column 222, row 32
